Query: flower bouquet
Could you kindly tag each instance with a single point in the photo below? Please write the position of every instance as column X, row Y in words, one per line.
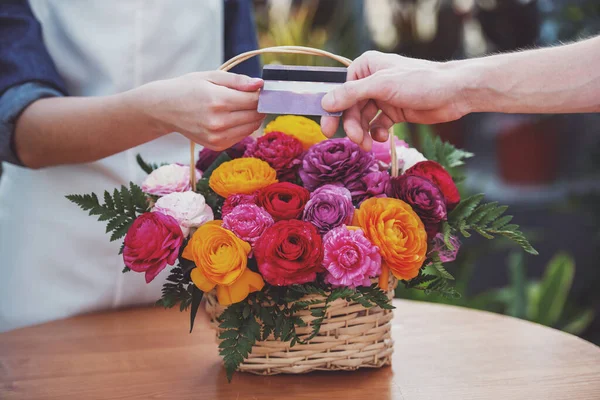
column 296, row 242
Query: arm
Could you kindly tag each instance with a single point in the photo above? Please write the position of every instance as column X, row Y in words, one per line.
column 563, row 79
column 215, row 109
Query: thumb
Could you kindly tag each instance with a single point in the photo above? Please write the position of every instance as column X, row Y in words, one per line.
column 350, row 93
column 235, row 81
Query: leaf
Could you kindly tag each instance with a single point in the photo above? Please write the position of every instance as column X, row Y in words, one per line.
column 147, row 168
column 465, row 208
column 444, row 153
column 554, row 289
column 580, row 322
column 126, row 269
column 223, row 157
column 197, row 295
column 517, row 307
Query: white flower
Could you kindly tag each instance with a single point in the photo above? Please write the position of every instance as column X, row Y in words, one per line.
column 168, row 179
column 407, row 157
column 188, row 208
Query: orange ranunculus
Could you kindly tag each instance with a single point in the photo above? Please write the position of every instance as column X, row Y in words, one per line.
column 221, row 260
column 307, row 131
column 397, row 230
column 241, row 176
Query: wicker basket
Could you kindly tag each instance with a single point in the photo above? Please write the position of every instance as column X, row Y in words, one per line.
column 351, row 336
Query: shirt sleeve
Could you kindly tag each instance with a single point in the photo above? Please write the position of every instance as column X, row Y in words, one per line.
column 23, row 54
column 240, row 35
column 12, row 103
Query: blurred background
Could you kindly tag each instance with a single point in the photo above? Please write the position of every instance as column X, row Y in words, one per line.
column 545, row 167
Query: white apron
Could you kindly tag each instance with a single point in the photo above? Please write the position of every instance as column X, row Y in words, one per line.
column 55, row 260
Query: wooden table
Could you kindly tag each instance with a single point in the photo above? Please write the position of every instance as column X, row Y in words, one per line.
column 441, row 352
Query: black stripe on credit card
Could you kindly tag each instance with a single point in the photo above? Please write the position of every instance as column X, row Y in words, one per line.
column 304, row 74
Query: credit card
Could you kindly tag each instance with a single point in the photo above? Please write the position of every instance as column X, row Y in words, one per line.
column 298, row 90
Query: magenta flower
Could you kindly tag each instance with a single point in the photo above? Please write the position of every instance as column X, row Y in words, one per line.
column 373, row 184
column 438, row 246
column 350, row 258
column 235, row 200
column 152, row 242
column 424, row 197
column 329, row 207
column 335, row 161
column 207, row 156
column 281, row 151
column 248, row 222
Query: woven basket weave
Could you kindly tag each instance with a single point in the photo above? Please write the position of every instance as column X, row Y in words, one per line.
column 351, row 336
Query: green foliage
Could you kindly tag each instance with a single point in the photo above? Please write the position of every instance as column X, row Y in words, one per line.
column 544, row 301
column 147, row 167
column 212, row 199
column 547, row 300
column 487, row 220
column 276, row 309
column 433, row 148
column 120, row 209
column 197, row 295
column 177, row 290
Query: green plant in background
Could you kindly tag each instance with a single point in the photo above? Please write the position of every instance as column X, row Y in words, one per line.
column 297, row 30
column 543, row 301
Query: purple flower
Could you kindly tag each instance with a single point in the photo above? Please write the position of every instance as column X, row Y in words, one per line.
column 248, row 222
column 424, row 197
column 350, row 258
column 335, row 161
column 329, row 206
column 207, row 156
column 281, row 151
column 235, row 200
column 445, row 254
column 373, row 184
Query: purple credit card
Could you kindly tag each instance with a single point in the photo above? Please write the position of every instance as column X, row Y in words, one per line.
column 298, row 90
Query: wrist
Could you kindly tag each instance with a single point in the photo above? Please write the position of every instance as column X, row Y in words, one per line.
column 473, row 79
column 141, row 105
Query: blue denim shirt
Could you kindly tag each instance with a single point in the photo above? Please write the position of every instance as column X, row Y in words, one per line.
column 27, row 72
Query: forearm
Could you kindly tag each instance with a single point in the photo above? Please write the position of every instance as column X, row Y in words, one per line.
column 71, row 130
column 562, row 79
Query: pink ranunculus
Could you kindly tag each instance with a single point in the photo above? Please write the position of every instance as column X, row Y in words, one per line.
column 445, row 254
column 188, row 208
column 350, row 258
column 235, row 200
column 248, row 222
column 152, row 242
column 382, row 152
column 168, row 179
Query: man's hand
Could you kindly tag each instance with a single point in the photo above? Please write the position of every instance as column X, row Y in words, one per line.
column 404, row 89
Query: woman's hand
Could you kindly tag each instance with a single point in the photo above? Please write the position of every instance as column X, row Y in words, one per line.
column 404, row 89
column 215, row 109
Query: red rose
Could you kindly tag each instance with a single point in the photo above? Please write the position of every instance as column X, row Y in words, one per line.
column 438, row 175
column 283, row 200
column 282, row 152
column 289, row 252
column 152, row 242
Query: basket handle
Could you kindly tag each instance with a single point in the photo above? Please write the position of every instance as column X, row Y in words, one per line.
column 383, row 279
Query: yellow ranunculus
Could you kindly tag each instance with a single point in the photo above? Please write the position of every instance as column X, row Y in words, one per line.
column 397, row 230
column 307, row 131
column 241, row 176
column 221, row 260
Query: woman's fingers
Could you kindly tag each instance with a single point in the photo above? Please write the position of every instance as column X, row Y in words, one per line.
column 223, row 121
column 235, row 81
